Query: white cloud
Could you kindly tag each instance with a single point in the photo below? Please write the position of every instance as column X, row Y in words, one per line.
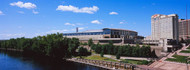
column 96, row 22
column 81, row 28
column 8, row 36
column 69, row 24
column 21, row 12
column 121, row 22
column 35, row 12
column 26, row 5
column 1, row 13
column 89, row 10
column 55, row 31
column 113, row 13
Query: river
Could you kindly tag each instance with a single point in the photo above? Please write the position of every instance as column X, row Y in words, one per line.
column 11, row 60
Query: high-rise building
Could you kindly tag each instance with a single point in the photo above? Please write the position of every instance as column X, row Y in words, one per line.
column 164, row 28
column 184, row 29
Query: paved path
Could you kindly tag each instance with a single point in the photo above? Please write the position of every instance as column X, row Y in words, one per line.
column 122, row 57
column 167, row 65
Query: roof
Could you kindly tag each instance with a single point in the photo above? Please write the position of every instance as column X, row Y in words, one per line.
column 119, row 29
column 163, row 16
column 182, row 20
column 100, row 30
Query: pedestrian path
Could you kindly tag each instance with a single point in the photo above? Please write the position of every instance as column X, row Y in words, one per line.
column 167, row 65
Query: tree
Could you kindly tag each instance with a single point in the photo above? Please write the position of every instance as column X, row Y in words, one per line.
column 83, row 51
column 117, row 56
column 102, row 54
column 51, row 45
column 98, row 48
column 182, row 40
column 90, row 42
column 73, row 45
column 153, row 54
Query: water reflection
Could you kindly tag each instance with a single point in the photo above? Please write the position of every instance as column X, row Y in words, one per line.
column 11, row 60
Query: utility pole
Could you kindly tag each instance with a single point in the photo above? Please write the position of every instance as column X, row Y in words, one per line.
column 187, row 22
column 188, row 62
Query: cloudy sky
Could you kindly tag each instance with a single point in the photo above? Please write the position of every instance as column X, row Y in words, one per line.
column 30, row 18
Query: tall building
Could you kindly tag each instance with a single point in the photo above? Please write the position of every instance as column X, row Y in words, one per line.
column 164, row 28
column 105, row 35
column 184, row 29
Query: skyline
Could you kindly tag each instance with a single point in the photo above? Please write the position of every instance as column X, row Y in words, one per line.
column 31, row 18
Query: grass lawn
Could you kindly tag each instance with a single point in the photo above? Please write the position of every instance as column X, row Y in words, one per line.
column 185, row 51
column 178, row 58
column 188, row 47
column 96, row 57
column 137, row 62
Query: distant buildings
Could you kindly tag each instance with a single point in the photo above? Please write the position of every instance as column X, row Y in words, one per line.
column 119, row 36
column 164, row 29
column 184, row 29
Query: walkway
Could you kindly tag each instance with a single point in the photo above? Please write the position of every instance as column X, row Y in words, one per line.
column 167, row 65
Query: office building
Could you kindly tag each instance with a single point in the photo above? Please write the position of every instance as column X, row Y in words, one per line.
column 164, row 30
column 184, row 29
column 119, row 36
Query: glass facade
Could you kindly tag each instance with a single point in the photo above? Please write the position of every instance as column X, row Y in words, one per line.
column 109, row 33
column 106, row 31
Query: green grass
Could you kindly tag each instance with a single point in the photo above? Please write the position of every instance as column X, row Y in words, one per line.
column 96, row 57
column 178, row 58
column 137, row 62
column 185, row 51
column 188, row 48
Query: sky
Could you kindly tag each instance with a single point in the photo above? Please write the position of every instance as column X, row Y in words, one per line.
column 31, row 18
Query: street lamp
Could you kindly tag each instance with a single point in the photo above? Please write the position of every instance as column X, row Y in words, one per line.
column 188, row 62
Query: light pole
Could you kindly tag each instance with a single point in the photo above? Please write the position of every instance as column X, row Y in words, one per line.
column 188, row 62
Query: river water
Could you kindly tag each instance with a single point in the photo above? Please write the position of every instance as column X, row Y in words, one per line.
column 11, row 60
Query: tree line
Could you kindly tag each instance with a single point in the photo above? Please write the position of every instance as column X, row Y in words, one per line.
column 52, row 45
column 125, row 50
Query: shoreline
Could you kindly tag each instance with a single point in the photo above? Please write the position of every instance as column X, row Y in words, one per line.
column 89, row 64
column 10, row 49
column 107, row 64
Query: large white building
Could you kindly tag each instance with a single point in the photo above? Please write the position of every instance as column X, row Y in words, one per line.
column 119, row 36
column 164, row 30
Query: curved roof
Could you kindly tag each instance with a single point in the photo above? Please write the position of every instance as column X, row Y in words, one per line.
column 94, row 30
column 119, row 29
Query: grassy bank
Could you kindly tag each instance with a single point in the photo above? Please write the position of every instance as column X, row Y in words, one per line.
column 178, row 58
column 97, row 57
column 185, row 51
column 137, row 62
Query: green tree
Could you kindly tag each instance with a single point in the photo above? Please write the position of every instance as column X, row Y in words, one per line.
column 153, row 54
column 117, row 56
column 83, row 51
column 90, row 42
column 102, row 54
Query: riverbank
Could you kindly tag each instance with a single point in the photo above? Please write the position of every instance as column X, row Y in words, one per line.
column 108, row 64
column 11, row 49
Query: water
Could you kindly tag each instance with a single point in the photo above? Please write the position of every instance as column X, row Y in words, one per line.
column 10, row 60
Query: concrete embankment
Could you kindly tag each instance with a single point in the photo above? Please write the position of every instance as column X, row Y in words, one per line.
column 107, row 64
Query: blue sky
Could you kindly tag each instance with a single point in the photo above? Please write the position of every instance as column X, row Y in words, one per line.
column 30, row 18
